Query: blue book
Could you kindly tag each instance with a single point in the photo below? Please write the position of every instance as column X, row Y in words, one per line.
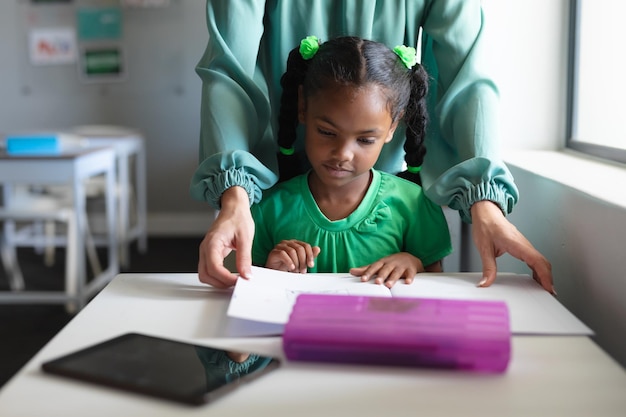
column 28, row 144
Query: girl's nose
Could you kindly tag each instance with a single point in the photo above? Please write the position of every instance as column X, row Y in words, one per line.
column 343, row 151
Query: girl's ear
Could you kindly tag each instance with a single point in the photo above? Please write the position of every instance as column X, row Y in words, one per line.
column 393, row 127
column 301, row 105
column 392, row 130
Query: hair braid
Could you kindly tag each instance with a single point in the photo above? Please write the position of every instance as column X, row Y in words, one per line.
column 416, row 120
column 289, row 165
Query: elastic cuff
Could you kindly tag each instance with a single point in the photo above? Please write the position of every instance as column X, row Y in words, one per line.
column 237, row 177
column 482, row 192
column 212, row 188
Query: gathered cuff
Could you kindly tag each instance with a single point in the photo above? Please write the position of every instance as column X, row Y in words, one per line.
column 476, row 179
column 215, row 186
column 485, row 191
column 230, row 169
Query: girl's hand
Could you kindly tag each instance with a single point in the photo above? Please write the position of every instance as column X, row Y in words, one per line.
column 292, row 256
column 391, row 268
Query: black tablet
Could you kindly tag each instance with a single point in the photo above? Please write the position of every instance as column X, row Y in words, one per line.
column 162, row 368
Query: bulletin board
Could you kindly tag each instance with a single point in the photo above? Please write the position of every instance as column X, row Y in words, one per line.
column 117, row 47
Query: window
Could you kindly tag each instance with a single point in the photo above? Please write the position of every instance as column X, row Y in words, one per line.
column 597, row 79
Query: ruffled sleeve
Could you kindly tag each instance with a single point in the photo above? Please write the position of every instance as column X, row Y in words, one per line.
column 463, row 164
column 236, row 142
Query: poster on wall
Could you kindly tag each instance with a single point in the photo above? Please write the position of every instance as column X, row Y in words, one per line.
column 102, row 63
column 49, row 1
column 99, row 23
column 145, row 3
column 49, row 46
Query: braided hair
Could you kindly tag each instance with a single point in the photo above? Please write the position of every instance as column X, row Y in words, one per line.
column 352, row 61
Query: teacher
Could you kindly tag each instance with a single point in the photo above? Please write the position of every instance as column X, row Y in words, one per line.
column 241, row 68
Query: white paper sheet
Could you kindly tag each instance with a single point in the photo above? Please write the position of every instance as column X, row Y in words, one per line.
column 262, row 304
column 269, row 295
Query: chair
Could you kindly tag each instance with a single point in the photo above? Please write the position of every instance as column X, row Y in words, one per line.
column 30, row 220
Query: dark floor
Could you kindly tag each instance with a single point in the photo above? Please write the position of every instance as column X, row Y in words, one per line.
column 25, row 329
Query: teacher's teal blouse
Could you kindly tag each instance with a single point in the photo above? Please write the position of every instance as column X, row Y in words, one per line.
column 246, row 54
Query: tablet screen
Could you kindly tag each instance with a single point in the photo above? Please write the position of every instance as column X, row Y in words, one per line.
column 163, row 368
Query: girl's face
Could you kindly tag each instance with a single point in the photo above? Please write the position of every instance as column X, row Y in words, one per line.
column 346, row 128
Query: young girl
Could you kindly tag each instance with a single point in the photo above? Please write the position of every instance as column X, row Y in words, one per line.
column 350, row 95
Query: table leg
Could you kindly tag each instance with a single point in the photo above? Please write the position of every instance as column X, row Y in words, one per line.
column 123, row 227
column 140, row 187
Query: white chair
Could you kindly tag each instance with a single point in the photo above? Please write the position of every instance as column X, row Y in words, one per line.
column 25, row 220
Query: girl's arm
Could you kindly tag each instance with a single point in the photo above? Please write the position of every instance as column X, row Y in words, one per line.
column 393, row 268
column 292, row 256
column 434, row 267
column 390, row 269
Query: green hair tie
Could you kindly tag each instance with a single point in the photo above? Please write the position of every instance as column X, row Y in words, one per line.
column 309, row 47
column 407, row 54
column 413, row 170
column 286, row 151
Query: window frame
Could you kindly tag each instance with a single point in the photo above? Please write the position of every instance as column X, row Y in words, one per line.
column 605, row 152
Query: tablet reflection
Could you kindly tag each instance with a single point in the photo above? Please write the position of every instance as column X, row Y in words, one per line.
column 223, row 367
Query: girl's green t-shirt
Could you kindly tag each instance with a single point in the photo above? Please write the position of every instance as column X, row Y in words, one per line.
column 394, row 216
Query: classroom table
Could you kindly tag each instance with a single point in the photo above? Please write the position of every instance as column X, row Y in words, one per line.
column 70, row 167
column 130, row 155
column 548, row 375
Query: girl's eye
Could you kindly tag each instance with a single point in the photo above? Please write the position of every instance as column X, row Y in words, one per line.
column 366, row 141
column 324, row 132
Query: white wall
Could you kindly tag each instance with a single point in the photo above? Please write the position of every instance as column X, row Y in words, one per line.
column 528, row 56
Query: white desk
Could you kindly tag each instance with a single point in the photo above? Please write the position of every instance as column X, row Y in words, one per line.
column 71, row 167
column 128, row 144
column 548, row 376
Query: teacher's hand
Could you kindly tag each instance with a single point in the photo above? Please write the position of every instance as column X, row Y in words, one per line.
column 233, row 229
column 494, row 235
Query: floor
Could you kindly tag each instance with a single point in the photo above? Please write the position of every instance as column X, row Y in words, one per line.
column 25, row 329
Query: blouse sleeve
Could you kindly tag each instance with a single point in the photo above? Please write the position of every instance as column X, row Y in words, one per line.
column 236, row 147
column 463, row 165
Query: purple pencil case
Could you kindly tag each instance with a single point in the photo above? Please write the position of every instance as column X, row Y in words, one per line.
column 466, row 335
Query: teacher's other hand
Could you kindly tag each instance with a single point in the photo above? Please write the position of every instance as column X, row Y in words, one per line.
column 494, row 236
